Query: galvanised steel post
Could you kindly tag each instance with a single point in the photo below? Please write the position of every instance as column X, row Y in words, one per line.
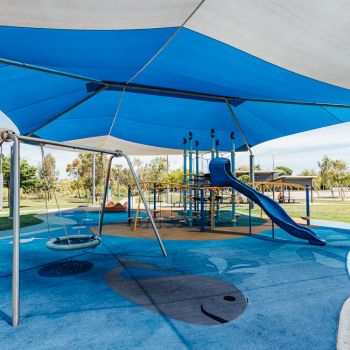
column 251, row 160
column 217, row 212
column 15, row 204
column 129, row 203
column 105, row 194
column 134, row 175
column 233, row 167
column 211, row 192
column 307, row 192
column 93, row 179
column 154, row 198
column 197, row 174
column 202, row 223
column 251, row 176
column 190, row 178
column 185, row 179
column 16, row 233
column 212, row 135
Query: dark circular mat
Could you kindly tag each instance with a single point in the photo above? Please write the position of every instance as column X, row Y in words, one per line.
column 65, row 268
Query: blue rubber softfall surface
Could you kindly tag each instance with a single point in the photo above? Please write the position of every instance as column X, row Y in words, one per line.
column 220, row 175
column 295, row 292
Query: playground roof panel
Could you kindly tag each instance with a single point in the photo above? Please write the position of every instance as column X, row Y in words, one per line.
column 156, row 70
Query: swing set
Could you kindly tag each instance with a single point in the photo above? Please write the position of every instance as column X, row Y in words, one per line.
column 66, row 242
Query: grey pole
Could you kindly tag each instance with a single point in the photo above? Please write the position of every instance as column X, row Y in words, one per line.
column 10, row 195
column 16, row 231
column 93, row 179
column 108, row 175
column 145, row 204
column 251, row 156
column 1, row 180
column 251, row 175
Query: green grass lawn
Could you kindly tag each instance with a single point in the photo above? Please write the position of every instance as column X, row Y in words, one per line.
column 320, row 210
column 31, row 207
column 38, row 205
column 323, row 209
column 26, row 220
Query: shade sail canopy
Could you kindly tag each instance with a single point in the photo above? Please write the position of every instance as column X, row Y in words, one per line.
column 148, row 72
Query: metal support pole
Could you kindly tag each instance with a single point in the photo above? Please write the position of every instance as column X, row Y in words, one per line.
column 202, row 211
column 251, row 169
column 196, row 206
column 234, row 117
column 105, row 194
column 307, row 190
column 251, row 176
column 1, row 180
column 190, row 179
column 212, row 135
column 233, row 191
column 129, row 204
column 185, row 179
column 250, row 220
column 238, row 125
column 10, row 195
column 154, row 198
column 217, row 205
column 93, row 175
column 145, row 204
column 15, row 176
column 211, row 192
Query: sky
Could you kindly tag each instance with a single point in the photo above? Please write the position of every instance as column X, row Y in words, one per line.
column 300, row 151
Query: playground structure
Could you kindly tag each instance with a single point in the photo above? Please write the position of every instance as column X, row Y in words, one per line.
column 67, row 242
column 197, row 201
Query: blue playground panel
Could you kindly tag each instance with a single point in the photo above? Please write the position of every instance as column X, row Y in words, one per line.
column 294, row 291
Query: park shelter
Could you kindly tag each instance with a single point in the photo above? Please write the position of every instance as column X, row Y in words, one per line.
column 260, row 175
column 107, row 73
column 298, row 180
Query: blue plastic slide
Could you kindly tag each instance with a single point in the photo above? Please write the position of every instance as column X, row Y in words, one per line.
column 221, row 175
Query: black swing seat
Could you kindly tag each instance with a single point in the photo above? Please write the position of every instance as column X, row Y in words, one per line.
column 73, row 242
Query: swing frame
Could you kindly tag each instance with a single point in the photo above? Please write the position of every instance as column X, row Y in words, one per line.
column 66, row 242
column 10, row 136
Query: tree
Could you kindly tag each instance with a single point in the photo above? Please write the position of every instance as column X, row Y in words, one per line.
column 28, row 175
column 48, row 174
column 316, row 182
column 242, row 168
column 174, row 176
column 154, row 170
column 333, row 173
column 80, row 171
column 244, row 178
column 325, row 166
column 285, row 171
column 340, row 176
column 246, row 168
